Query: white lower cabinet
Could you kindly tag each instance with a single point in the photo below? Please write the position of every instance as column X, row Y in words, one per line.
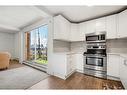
column 65, row 64
column 79, row 62
column 59, row 65
column 70, row 64
column 113, row 61
column 117, row 67
column 123, row 71
column 75, row 63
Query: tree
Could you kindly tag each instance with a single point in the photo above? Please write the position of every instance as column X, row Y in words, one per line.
column 39, row 46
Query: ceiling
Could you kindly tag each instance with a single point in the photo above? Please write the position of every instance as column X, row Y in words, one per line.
column 14, row 18
column 81, row 13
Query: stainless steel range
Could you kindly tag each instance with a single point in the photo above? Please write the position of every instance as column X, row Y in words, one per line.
column 95, row 60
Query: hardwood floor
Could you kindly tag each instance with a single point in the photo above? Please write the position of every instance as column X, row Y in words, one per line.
column 77, row 81
column 12, row 65
column 15, row 64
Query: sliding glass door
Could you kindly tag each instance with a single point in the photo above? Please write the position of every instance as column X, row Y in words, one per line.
column 36, row 45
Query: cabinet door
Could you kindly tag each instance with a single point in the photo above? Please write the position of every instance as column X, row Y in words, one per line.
column 73, row 62
column 67, row 30
column 113, row 65
column 59, row 66
column 78, row 32
column 90, row 27
column 74, row 34
column 82, row 30
column 69, row 67
column 79, row 62
column 122, row 27
column 57, row 28
column 100, row 24
column 123, row 71
column 61, row 28
column 111, row 26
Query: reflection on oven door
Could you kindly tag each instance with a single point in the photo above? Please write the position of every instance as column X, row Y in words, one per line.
column 95, row 61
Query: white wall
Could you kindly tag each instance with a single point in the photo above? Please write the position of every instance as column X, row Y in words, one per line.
column 17, row 45
column 7, row 43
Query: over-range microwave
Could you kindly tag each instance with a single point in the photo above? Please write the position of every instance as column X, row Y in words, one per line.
column 96, row 37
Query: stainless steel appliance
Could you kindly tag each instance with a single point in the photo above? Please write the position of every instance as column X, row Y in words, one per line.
column 95, row 60
column 96, row 46
column 96, row 37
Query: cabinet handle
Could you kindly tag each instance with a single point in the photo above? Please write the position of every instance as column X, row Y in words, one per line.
column 125, row 62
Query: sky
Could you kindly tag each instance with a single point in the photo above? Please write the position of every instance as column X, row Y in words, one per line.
column 43, row 30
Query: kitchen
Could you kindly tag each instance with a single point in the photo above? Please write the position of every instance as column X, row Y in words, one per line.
column 86, row 49
column 71, row 44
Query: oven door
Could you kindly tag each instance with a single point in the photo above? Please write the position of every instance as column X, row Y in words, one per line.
column 96, row 63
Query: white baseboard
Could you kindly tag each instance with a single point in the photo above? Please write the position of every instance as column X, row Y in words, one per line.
column 64, row 77
column 113, row 78
column 80, row 71
column 70, row 74
column 59, row 75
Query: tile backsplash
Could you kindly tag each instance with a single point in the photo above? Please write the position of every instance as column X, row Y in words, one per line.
column 61, row 46
column 117, row 46
column 78, row 47
column 113, row 46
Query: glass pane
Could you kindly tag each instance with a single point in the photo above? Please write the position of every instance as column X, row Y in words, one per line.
column 41, row 44
column 36, row 45
column 32, row 45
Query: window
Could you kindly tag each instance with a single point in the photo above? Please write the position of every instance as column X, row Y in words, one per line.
column 36, row 45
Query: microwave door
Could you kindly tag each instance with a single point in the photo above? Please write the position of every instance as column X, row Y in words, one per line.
column 92, row 38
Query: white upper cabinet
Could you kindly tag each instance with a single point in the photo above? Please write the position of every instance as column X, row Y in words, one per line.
column 82, row 30
column 61, row 28
column 100, row 24
column 74, row 33
column 77, row 32
column 96, row 25
column 111, row 26
column 114, row 25
column 122, row 24
column 90, row 26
